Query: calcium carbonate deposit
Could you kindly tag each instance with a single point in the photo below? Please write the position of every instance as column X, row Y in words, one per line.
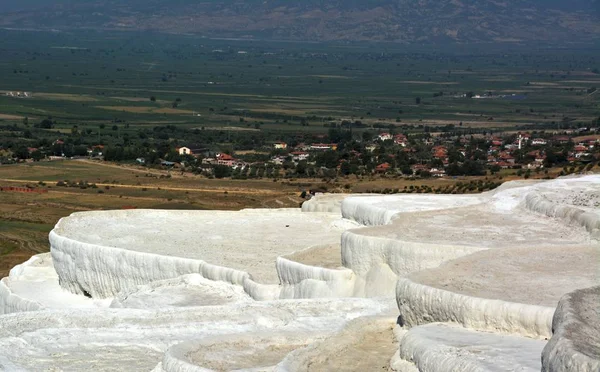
column 498, row 281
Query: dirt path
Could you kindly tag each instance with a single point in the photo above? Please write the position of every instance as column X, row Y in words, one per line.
column 168, row 188
column 121, row 167
column 372, row 352
column 365, row 344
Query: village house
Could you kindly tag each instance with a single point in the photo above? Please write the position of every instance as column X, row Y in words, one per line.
column 561, row 139
column 419, row 168
column 193, row 150
column 437, row 172
column 278, row 160
column 400, row 140
column 225, row 159
column 507, row 158
column 238, row 164
column 440, row 152
column 96, row 150
column 302, row 147
column 371, row 147
column 280, row 146
column 581, row 151
column 540, row 158
column 385, row 137
column 323, row 146
column 300, row 156
column 383, row 168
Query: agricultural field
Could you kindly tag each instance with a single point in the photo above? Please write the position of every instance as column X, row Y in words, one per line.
column 94, row 78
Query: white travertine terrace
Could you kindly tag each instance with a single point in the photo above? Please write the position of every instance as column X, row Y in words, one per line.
column 380, row 210
column 329, row 203
column 472, row 281
column 439, row 347
column 575, row 344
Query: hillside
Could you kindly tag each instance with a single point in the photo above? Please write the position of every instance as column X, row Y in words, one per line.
column 423, row 21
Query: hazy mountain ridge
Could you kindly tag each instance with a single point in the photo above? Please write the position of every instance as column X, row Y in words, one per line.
column 420, row 21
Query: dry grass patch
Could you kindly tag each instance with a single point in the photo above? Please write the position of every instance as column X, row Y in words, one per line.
column 332, row 76
column 65, row 97
column 420, row 82
column 10, row 117
column 233, row 129
column 146, row 110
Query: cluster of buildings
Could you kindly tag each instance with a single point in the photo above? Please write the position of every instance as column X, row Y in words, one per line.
column 19, row 94
column 302, row 152
column 524, row 150
column 509, row 151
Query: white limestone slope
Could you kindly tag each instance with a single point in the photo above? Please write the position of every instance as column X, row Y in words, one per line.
column 421, row 304
column 104, row 253
column 440, row 347
column 364, row 344
column 575, row 343
column 183, row 286
column 381, row 209
column 513, row 290
column 136, row 340
column 304, row 281
column 34, row 285
column 329, row 203
column 574, row 200
column 236, row 352
column 185, row 291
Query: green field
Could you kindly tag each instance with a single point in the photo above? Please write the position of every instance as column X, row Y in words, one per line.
column 90, row 78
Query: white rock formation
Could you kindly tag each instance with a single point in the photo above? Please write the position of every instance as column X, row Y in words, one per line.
column 104, row 253
column 575, row 343
column 199, row 290
column 34, row 285
column 440, row 347
column 381, row 209
column 136, row 340
column 185, row 291
column 329, row 203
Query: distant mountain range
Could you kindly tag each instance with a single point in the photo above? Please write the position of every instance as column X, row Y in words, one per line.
column 410, row 21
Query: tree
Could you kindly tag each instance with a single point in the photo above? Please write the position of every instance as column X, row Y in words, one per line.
column 45, row 124
column 222, row 171
column 345, row 168
column 328, row 159
column 153, row 99
column 37, row 155
column 80, row 150
column 21, row 152
column 418, row 100
column 301, row 168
